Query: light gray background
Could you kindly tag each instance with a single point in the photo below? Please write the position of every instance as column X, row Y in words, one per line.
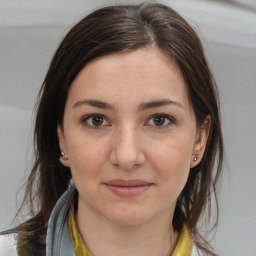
column 29, row 34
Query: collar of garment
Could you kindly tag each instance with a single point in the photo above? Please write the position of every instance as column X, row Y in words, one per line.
column 183, row 247
column 60, row 241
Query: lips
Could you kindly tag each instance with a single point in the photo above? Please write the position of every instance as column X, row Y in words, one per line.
column 128, row 188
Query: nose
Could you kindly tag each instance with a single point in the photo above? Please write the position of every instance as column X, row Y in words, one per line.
column 126, row 152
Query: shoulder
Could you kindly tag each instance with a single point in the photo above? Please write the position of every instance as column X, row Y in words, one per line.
column 194, row 251
column 8, row 244
column 198, row 252
column 21, row 244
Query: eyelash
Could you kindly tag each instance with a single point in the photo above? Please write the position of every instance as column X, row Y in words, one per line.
column 170, row 119
column 86, row 118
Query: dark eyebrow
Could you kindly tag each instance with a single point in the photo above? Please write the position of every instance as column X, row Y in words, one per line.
column 159, row 103
column 143, row 106
column 94, row 103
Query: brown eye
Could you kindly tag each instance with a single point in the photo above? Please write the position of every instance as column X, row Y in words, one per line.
column 95, row 121
column 159, row 120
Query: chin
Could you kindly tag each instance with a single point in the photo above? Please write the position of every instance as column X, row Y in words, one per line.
column 128, row 221
column 129, row 217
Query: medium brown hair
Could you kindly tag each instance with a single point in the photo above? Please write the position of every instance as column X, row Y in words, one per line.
column 111, row 30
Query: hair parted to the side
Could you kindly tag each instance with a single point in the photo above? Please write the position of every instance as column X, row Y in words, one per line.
column 111, row 30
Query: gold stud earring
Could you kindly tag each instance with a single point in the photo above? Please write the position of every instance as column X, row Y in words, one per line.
column 62, row 156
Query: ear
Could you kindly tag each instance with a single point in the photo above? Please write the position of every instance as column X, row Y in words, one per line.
column 63, row 158
column 200, row 143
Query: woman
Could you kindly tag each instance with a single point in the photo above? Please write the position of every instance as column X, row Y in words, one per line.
column 127, row 133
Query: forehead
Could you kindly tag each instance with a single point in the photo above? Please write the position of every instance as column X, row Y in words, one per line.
column 139, row 74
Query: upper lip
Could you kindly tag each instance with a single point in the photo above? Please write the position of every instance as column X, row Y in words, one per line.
column 127, row 183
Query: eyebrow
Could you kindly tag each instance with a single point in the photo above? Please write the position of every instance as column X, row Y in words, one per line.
column 94, row 103
column 159, row 103
column 143, row 106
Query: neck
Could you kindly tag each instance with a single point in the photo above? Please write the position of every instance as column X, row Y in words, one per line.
column 103, row 237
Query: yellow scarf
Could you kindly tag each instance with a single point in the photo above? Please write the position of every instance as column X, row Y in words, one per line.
column 183, row 247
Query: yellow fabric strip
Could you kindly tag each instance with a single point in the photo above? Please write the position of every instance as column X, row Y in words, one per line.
column 183, row 247
column 78, row 243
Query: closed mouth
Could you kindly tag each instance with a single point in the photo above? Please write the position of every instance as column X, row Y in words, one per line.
column 128, row 188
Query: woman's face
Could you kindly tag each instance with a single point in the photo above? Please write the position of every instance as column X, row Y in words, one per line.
column 130, row 135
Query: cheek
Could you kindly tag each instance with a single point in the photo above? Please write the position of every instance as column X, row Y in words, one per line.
column 173, row 154
column 173, row 166
column 86, row 157
column 172, row 162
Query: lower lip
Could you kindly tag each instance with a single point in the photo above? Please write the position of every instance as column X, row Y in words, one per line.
column 128, row 191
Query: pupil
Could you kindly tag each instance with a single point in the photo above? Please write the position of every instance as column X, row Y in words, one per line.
column 97, row 120
column 159, row 120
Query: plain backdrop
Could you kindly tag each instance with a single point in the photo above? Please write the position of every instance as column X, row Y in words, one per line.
column 30, row 32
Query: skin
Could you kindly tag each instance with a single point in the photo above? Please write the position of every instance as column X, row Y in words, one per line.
column 130, row 141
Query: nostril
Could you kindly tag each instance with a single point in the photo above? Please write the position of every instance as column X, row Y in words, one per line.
column 127, row 160
column 126, row 152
